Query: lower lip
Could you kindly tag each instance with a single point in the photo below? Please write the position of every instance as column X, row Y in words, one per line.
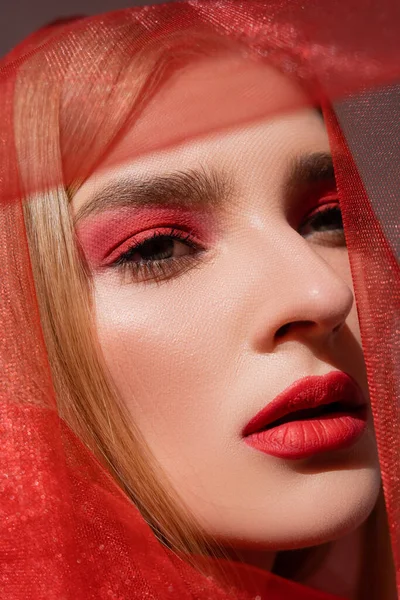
column 309, row 437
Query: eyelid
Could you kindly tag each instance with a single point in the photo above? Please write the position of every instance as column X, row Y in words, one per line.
column 101, row 235
column 156, row 219
column 329, row 200
column 178, row 233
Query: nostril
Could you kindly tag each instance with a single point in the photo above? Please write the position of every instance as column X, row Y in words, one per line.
column 285, row 328
column 337, row 328
column 282, row 330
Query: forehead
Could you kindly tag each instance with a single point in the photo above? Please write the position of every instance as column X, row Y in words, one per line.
column 207, row 95
column 268, row 152
column 235, row 101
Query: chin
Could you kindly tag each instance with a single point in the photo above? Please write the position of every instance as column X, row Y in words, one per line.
column 313, row 509
column 331, row 505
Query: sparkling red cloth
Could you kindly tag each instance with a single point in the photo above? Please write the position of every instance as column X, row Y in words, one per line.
column 66, row 530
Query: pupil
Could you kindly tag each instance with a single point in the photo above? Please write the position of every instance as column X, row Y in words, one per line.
column 157, row 249
column 329, row 219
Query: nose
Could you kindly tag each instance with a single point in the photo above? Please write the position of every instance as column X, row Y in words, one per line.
column 311, row 299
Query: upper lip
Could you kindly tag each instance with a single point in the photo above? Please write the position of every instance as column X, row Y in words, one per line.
column 309, row 392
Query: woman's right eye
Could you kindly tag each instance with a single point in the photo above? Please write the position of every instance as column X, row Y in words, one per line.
column 161, row 247
column 160, row 256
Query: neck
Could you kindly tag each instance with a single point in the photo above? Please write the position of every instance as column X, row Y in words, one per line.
column 339, row 572
column 256, row 558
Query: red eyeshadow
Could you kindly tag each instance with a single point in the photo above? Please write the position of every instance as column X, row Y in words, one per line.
column 103, row 233
column 314, row 197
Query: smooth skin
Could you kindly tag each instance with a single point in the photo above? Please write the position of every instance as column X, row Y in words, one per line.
column 266, row 302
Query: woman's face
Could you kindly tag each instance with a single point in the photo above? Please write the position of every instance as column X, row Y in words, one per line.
column 214, row 292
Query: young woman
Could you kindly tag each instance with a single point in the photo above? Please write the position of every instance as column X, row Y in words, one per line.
column 198, row 313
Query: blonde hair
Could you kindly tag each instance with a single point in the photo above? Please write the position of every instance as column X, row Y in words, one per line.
column 51, row 126
column 55, row 138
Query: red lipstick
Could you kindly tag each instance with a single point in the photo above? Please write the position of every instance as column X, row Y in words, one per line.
column 316, row 414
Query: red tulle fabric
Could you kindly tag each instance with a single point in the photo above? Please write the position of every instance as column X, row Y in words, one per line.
column 67, row 532
column 376, row 279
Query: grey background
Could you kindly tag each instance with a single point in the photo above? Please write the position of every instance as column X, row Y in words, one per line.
column 371, row 124
column 18, row 18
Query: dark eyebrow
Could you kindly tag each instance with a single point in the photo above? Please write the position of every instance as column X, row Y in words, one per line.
column 195, row 188
column 199, row 188
column 309, row 169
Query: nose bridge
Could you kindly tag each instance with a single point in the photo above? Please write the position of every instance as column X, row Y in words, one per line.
column 316, row 286
column 307, row 291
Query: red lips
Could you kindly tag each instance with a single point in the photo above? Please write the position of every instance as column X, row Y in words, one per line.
column 315, row 414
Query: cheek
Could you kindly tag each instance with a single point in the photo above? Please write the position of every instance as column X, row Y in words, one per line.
column 338, row 260
column 349, row 351
column 161, row 357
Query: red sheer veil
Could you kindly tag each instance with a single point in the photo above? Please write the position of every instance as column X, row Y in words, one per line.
column 67, row 529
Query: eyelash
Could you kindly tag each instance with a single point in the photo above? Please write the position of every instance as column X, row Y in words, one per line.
column 165, row 268
column 323, row 217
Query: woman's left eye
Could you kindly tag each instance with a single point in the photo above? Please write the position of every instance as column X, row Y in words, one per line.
column 325, row 223
column 160, row 256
